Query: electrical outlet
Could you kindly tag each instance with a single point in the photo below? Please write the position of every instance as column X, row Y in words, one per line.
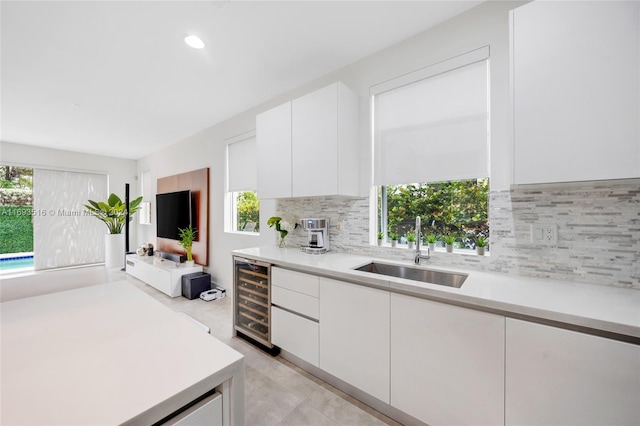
column 550, row 234
column 544, row 234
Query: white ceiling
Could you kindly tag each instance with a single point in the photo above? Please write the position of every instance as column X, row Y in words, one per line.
column 116, row 78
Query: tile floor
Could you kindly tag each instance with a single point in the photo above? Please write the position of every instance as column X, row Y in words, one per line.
column 276, row 391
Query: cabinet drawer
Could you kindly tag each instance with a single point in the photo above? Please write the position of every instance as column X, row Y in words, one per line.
column 294, row 301
column 206, row 412
column 296, row 281
column 295, row 334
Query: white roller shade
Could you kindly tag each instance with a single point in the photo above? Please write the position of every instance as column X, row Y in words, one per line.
column 242, row 165
column 63, row 234
column 434, row 128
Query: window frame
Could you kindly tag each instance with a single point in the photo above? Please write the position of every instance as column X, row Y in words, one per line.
column 381, row 216
column 378, row 219
column 231, row 197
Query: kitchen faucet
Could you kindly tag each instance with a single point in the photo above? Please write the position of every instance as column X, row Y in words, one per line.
column 419, row 255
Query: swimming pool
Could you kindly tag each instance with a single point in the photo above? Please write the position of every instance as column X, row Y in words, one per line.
column 13, row 262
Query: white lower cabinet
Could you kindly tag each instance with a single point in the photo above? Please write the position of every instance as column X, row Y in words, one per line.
column 449, row 365
column 354, row 335
column 295, row 334
column 294, row 313
column 556, row 376
column 163, row 275
column 447, row 362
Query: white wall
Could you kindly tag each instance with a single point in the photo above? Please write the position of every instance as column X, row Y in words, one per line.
column 118, row 170
column 487, row 24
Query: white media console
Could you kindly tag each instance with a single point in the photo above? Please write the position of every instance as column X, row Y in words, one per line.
column 162, row 274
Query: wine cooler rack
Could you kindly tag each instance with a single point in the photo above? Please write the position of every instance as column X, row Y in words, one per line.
column 252, row 299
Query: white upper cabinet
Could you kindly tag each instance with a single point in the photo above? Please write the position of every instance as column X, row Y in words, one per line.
column 576, row 91
column 319, row 133
column 273, row 140
column 325, row 141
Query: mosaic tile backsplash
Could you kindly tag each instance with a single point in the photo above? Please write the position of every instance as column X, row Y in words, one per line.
column 598, row 231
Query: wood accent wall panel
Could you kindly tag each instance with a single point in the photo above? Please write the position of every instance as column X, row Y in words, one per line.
column 197, row 182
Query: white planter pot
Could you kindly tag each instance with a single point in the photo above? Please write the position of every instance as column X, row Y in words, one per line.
column 449, row 248
column 432, row 247
column 189, row 263
column 410, row 244
column 114, row 250
column 480, row 251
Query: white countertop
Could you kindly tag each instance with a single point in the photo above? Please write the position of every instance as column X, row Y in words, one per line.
column 105, row 354
column 603, row 308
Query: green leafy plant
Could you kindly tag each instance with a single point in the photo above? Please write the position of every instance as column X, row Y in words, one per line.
column 458, row 208
column 431, row 239
column 276, row 221
column 248, row 210
column 380, row 235
column 482, row 242
column 187, row 237
column 393, row 236
column 113, row 212
column 16, row 232
column 6, row 184
column 449, row 240
column 411, row 237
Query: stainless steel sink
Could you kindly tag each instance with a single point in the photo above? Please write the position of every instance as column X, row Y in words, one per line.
column 416, row 274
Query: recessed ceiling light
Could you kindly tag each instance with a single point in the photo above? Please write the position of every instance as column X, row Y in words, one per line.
column 194, row 41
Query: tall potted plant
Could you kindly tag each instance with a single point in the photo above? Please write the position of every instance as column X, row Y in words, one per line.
column 187, row 237
column 113, row 213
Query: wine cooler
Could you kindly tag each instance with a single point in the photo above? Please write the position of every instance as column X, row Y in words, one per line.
column 252, row 300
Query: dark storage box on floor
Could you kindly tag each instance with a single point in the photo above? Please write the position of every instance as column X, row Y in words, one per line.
column 194, row 284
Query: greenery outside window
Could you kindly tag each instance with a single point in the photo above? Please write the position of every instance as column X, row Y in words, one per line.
column 456, row 209
column 242, row 204
column 245, row 212
column 16, row 192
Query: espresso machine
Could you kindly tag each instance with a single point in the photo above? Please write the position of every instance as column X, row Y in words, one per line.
column 318, row 231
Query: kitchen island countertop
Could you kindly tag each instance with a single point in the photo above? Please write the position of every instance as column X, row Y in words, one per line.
column 109, row 354
column 596, row 308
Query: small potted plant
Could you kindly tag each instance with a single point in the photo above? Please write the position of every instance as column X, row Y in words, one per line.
column 394, row 239
column 276, row 221
column 481, row 244
column 449, row 240
column 380, row 237
column 411, row 239
column 187, row 237
column 431, row 241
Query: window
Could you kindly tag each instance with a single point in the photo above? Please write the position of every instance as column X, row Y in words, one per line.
column 243, row 206
column 431, row 144
column 455, row 208
column 245, row 211
column 63, row 234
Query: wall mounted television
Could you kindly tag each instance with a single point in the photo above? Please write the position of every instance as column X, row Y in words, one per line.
column 174, row 210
